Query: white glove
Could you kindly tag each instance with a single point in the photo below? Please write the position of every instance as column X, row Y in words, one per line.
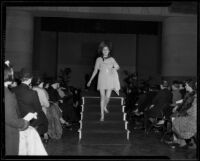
column 30, row 116
column 179, row 101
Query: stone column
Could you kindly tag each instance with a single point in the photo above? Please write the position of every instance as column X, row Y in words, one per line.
column 19, row 38
column 179, row 47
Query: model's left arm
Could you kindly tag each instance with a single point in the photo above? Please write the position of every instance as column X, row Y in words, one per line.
column 115, row 64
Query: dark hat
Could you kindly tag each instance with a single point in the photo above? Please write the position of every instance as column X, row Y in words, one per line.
column 25, row 74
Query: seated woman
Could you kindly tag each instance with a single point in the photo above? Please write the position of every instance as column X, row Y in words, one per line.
column 69, row 105
column 184, row 122
column 37, row 85
column 188, row 99
column 56, row 100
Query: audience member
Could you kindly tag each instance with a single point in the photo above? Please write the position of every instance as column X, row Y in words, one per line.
column 37, row 85
column 13, row 123
column 28, row 101
column 56, row 100
column 176, row 92
column 145, row 100
column 184, row 123
column 161, row 101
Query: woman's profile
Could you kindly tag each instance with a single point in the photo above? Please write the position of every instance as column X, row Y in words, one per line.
column 108, row 79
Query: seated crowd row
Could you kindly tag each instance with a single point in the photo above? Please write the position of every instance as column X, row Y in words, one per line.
column 175, row 104
column 42, row 104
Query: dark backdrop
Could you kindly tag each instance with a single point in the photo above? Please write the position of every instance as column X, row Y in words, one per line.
column 51, row 34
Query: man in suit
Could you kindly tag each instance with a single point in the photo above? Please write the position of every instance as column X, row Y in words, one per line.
column 145, row 100
column 28, row 101
column 161, row 101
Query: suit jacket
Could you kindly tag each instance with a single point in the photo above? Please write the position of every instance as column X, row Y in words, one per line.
column 162, row 100
column 12, row 124
column 147, row 101
column 28, row 99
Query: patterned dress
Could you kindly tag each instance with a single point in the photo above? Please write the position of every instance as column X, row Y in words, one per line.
column 108, row 77
column 186, row 126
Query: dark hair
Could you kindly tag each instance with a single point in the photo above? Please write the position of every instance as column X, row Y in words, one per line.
column 36, row 81
column 192, row 84
column 103, row 44
column 25, row 74
column 8, row 75
column 53, row 81
column 176, row 84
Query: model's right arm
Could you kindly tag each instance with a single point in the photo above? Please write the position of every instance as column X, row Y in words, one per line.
column 96, row 68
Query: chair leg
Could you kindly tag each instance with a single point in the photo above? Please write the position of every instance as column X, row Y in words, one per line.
column 148, row 130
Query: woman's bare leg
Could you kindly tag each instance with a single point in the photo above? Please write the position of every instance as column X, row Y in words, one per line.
column 102, row 102
column 107, row 99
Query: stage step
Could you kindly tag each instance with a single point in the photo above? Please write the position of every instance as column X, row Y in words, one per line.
column 96, row 108
column 96, row 100
column 113, row 130
column 103, row 126
column 104, row 138
column 95, row 116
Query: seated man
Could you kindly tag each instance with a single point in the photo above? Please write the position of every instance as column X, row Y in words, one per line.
column 28, row 101
column 145, row 100
column 161, row 101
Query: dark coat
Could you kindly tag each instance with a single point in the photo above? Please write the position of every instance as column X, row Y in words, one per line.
column 53, row 94
column 161, row 101
column 12, row 124
column 146, row 101
column 28, row 101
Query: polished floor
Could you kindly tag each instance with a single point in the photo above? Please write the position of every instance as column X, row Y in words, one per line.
column 139, row 146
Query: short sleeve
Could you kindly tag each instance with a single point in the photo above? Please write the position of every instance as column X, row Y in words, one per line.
column 97, row 64
column 115, row 64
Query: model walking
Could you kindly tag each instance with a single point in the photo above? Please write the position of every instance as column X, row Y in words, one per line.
column 108, row 79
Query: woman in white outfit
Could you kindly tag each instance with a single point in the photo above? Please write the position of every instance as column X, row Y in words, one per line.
column 108, row 79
